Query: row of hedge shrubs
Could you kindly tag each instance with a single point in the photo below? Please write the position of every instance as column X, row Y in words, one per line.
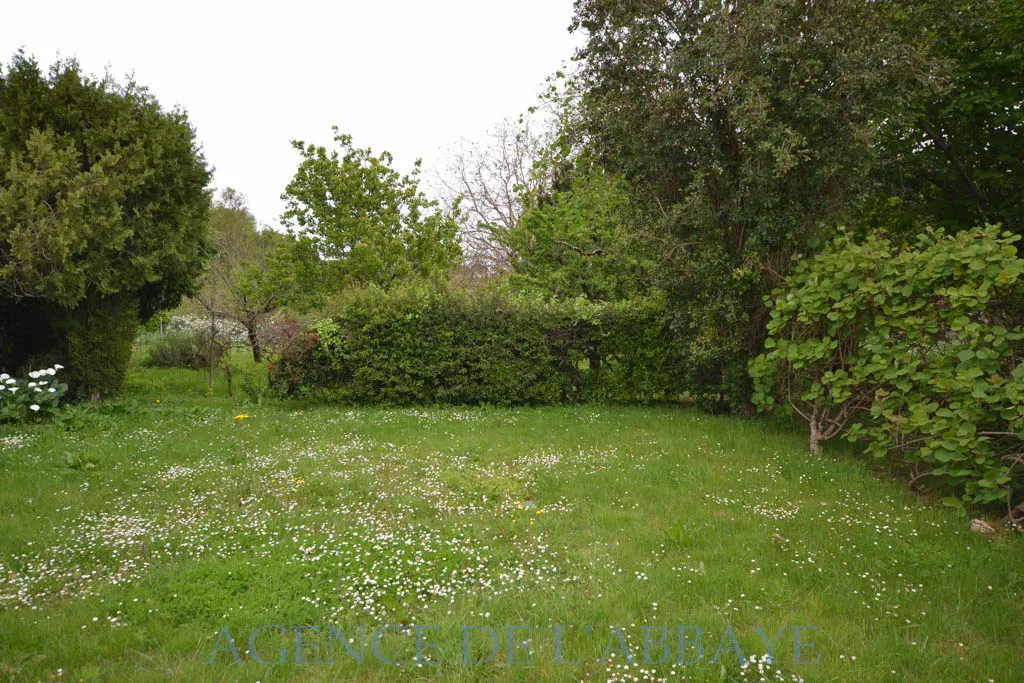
column 424, row 346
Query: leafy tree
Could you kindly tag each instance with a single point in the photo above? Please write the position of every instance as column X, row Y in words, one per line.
column 745, row 131
column 242, row 282
column 576, row 242
column 103, row 212
column 749, row 130
column 363, row 222
column 951, row 144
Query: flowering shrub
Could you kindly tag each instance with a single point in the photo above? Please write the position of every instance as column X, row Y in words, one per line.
column 192, row 324
column 25, row 399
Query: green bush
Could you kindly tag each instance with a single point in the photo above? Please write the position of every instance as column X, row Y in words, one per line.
column 188, row 349
column 635, row 356
column 172, row 350
column 421, row 346
column 99, row 341
column 911, row 350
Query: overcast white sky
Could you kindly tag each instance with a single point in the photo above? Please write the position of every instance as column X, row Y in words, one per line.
column 411, row 77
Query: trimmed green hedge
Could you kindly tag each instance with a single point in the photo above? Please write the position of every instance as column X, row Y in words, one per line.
column 423, row 346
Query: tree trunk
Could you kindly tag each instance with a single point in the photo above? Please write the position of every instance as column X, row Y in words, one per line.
column 213, row 349
column 815, row 437
column 816, row 434
column 254, row 342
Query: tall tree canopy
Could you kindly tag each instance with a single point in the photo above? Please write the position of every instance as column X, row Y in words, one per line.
column 103, row 216
column 745, row 129
column 365, row 222
column 748, row 131
column 576, row 242
column 953, row 142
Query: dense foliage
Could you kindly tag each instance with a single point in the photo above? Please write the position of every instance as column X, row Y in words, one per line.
column 422, row 345
column 183, row 349
column 747, row 132
column 361, row 223
column 952, row 141
column 913, row 350
column 103, row 210
column 577, row 242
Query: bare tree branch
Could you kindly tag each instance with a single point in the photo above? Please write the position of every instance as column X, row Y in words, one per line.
column 588, row 254
column 488, row 182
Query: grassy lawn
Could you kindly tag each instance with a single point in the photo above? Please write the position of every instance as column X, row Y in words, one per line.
column 174, row 524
